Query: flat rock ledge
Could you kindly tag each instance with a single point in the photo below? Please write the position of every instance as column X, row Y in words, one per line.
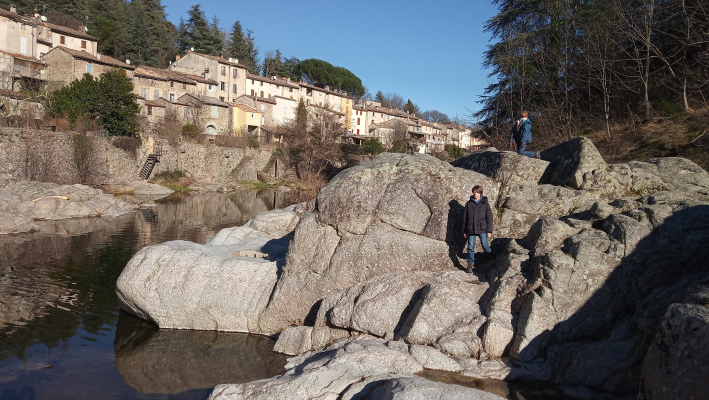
column 357, row 368
column 26, row 201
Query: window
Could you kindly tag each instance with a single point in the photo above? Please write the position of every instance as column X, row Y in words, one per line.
column 23, row 44
column 222, row 85
column 187, row 112
column 252, row 92
column 262, row 93
column 22, row 27
column 252, row 116
column 210, row 88
column 262, row 120
column 83, row 44
column 144, row 93
column 263, row 106
column 285, row 110
column 172, row 84
column 252, row 81
column 223, row 70
column 184, row 86
column 234, row 88
column 62, row 39
column 172, row 97
column 290, row 90
column 215, row 112
column 89, row 68
column 358, row 131
column 150, row 110
column 221, row 98
column 261, row 83
column 285, row 120
column 156, row 94
column 357, row 121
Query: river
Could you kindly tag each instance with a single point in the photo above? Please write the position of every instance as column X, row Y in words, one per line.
column 62, row 335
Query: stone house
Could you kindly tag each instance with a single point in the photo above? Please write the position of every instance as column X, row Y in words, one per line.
column 152, row 113
column 65, row 65
column 247, row 119
column 52, row 35
column 211, row 115
column 154, row 83
column 229, row 75
column 19, row 65
column 259, row 86
column 263, row 105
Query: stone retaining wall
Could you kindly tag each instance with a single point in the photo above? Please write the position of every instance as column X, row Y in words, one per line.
column 49, row 156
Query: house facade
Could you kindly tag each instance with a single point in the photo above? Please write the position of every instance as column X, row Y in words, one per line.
column 154, row 83
column 229, row 75
column 212, row 116
column 65, row 65
column 247, row 119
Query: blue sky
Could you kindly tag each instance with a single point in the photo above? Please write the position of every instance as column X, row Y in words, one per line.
column 427, row 51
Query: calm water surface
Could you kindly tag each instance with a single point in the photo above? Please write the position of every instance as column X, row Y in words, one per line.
column 62, row 335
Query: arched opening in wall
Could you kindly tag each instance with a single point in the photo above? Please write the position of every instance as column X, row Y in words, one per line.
column 211, row 130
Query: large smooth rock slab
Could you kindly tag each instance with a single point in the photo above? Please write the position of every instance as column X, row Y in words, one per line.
column 12, row 223
column 327, row 373
column 50, row 201
column 412, row 388
column 184, row 285
column 504, row 166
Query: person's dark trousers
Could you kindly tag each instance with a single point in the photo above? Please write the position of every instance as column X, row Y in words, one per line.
column 471, row 246
column 521, row 150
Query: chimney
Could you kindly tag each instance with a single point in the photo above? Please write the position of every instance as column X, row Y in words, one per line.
column 82, row 28
column 177, row 57
column 13, row 9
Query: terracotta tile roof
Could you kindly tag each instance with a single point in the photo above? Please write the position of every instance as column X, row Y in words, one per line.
column 163, row 74
column 18, row 18
column 202, row 99
column 329, row 91
column 261, row 99
column 71, row 32
column 217, row 58
column 245, row 107
column 105, row 60
column 200, row 79
column 278, row 82
column 156, row 103
column 23, row 57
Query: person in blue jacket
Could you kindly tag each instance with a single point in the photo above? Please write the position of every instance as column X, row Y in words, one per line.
column 521, row 135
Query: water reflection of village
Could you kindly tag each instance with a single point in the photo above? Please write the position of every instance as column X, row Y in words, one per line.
column 61, row 280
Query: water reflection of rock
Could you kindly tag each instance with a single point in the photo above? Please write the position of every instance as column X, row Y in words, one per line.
column 152, row 360
column 198, row 217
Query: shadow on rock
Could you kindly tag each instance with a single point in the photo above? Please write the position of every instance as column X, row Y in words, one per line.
column 603, row 343
column 153, row 360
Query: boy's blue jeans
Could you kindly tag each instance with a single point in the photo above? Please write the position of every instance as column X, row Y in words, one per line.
column 471, row 246
column 521, row 150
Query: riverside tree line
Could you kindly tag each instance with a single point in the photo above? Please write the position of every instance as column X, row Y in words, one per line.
column 581, row 65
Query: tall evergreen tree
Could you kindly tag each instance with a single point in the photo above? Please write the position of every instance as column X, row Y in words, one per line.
column 242, row 48
column 198, row 31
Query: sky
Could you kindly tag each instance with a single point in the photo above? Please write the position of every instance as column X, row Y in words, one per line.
column 428, row 51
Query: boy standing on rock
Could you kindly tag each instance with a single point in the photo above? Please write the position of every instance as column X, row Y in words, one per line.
column 477, row 221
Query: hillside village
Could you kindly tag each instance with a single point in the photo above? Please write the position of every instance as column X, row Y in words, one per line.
column 217, row 95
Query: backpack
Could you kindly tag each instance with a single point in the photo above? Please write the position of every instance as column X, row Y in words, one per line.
column 517, row 130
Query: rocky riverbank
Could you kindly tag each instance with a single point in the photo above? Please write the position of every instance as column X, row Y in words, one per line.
column 591, row 264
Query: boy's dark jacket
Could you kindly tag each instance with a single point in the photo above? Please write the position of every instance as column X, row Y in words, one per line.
column 478, row 217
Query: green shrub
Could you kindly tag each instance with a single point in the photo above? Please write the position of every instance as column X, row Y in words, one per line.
column 399, row 146
column 453, row 151
column 252, row 141
column 190, row 130
column 670, row 109
column 278, row 152
column 372, row 147
column 169, row 176
column 129, row 144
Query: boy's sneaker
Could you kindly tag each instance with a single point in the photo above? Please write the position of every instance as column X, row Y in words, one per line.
column 469, row 269
column 536, row 155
